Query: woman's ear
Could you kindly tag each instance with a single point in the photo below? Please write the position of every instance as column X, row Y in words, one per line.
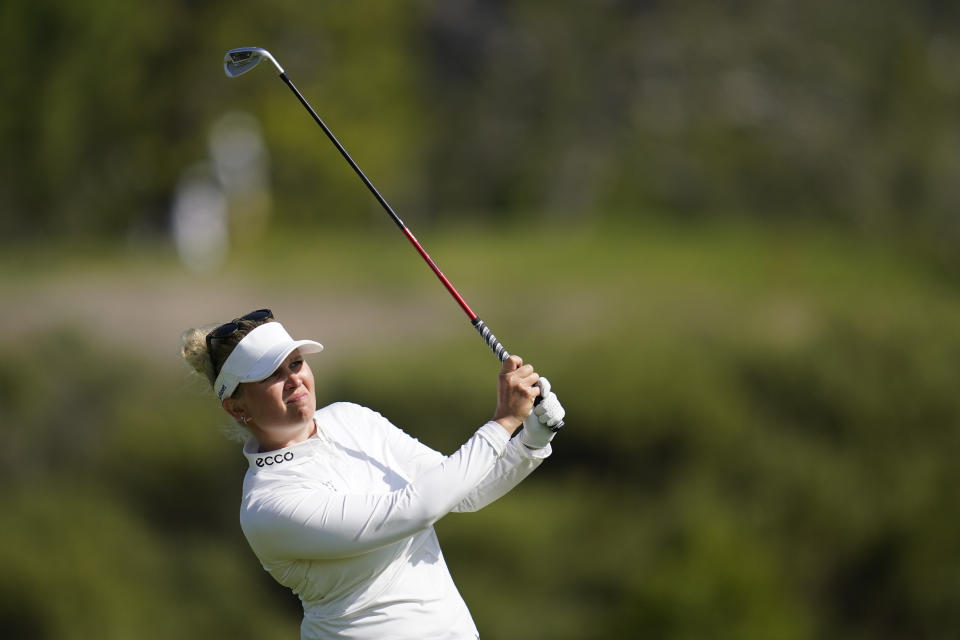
column 234, row 407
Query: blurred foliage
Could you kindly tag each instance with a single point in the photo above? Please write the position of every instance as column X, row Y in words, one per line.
column 760, row 444
column 768, row 110
column 749, row 308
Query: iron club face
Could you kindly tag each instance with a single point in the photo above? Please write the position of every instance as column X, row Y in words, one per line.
column 237, row 62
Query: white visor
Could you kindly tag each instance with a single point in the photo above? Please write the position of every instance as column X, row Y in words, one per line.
column 258, row 355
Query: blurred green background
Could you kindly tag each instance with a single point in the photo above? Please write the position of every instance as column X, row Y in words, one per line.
column 728, row 233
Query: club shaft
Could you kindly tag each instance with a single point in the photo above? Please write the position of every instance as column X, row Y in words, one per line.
column 477, row 323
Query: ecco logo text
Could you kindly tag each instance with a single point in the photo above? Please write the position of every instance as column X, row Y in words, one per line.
column 268, row 461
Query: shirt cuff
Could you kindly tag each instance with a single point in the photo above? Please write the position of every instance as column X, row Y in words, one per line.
column 496, row 435
column 538, row 454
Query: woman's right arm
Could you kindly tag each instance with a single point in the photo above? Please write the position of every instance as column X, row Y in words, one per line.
column 309, row 523
column 301, row 523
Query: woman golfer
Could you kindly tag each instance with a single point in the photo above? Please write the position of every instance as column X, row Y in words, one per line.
column 338, row 504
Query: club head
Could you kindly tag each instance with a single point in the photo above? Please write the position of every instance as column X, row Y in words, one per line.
column 237, row 62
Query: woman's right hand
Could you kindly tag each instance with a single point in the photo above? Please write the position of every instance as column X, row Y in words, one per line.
column 516, row 390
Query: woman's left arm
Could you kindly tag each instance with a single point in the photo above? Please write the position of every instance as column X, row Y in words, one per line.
column 517, row 385
column 517, row 462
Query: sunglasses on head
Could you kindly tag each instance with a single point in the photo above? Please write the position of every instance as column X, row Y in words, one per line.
column 229, row 328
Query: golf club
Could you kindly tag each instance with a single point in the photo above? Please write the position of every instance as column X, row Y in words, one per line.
column 236, row 62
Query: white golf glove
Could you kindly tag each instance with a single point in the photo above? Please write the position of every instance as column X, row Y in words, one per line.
column 545, row 419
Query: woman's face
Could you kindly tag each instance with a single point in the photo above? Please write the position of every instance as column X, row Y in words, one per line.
column 285, row 399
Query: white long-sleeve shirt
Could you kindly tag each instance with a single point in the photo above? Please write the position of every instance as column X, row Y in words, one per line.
column 345, row 520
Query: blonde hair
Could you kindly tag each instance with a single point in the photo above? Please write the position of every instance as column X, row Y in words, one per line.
column 193, row 349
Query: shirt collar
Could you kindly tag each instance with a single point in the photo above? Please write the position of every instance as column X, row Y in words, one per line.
column 286, row 456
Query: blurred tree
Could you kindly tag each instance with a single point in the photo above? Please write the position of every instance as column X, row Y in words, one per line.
column 770, row 110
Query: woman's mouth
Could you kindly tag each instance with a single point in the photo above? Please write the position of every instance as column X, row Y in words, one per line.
column 297, row 397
